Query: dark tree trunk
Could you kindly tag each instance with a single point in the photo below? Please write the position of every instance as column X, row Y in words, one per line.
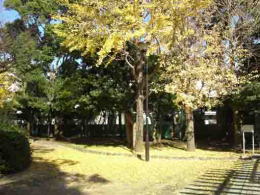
column 159, row 129
column 29, row 127
column 129, row 129
column 49, row 126
column 82, row 128
column 120, row 124
column 190, row 130
column 86, row 127
column 139, row 59
column 57, row 129
column 30, row 123
column 52, row 127
column 236, row 126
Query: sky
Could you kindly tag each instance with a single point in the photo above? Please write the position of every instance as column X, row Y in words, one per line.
column 7, row 15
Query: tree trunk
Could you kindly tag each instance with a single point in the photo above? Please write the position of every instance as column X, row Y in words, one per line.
column 139, row 71
column 138, row 74
column 82, row 128
column 236, row 129
column 29, row 128
column 85, row 127
column 129, row 129
column 190, row 130
column 49, row 126
column 57, row 129
column 30, row 123
column 120, row 124
column 139, row 123
column 159, row 129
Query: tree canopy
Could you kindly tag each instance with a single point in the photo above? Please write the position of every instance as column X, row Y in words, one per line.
column 77, row 58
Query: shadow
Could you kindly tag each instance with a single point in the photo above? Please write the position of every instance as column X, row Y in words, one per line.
column 97, row 141
column 243, row 178
column 87, row 142
column 216, row 145
column 169, row 144
column 61, row 162
column 45, row 178
column 97, row 179
column 139, row 156
column 42, row 150
column 255, row 174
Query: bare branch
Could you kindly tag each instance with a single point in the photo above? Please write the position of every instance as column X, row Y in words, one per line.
column 159, row 44
column 127, row 61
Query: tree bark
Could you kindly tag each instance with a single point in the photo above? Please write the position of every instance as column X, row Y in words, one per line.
column 159, row 129
column 139, row 59
column 57, row 129
column 190, row 130
column 30, row 123
column 120, row 124
column 129, row 129
column 85, row 127
column 236, row 129
column 82, row 127
column 139, row 71
column 49, row 126
column 139, row 124
column 29, row 127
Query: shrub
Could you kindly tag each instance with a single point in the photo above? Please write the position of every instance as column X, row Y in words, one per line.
column 10, row 127
column 15, row 154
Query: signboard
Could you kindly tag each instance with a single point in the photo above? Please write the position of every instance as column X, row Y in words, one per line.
column 210, row 118
column 210, row 113
column 247, row 128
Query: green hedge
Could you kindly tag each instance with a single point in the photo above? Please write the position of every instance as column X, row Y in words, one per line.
column 15, row 154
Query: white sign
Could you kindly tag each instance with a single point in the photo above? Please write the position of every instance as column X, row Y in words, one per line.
column 210, row 113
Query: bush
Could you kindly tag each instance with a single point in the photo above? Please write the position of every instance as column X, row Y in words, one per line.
column 10, row 127
column 15, row 154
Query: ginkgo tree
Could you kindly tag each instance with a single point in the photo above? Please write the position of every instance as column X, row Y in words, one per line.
column 110, row 28
column 198, row 72
column 6, row 85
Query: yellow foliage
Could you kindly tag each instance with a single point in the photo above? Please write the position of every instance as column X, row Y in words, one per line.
column 5, row 82
column 103, row 25
column 126, row 170
column 198, row 74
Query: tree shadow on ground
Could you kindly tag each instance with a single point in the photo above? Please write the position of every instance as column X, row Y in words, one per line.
column 96, row 141
column 41, row 150
column 215, row 145
column 177, row 144
column 243, row 178
column 45, row 178
column 96, row 178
